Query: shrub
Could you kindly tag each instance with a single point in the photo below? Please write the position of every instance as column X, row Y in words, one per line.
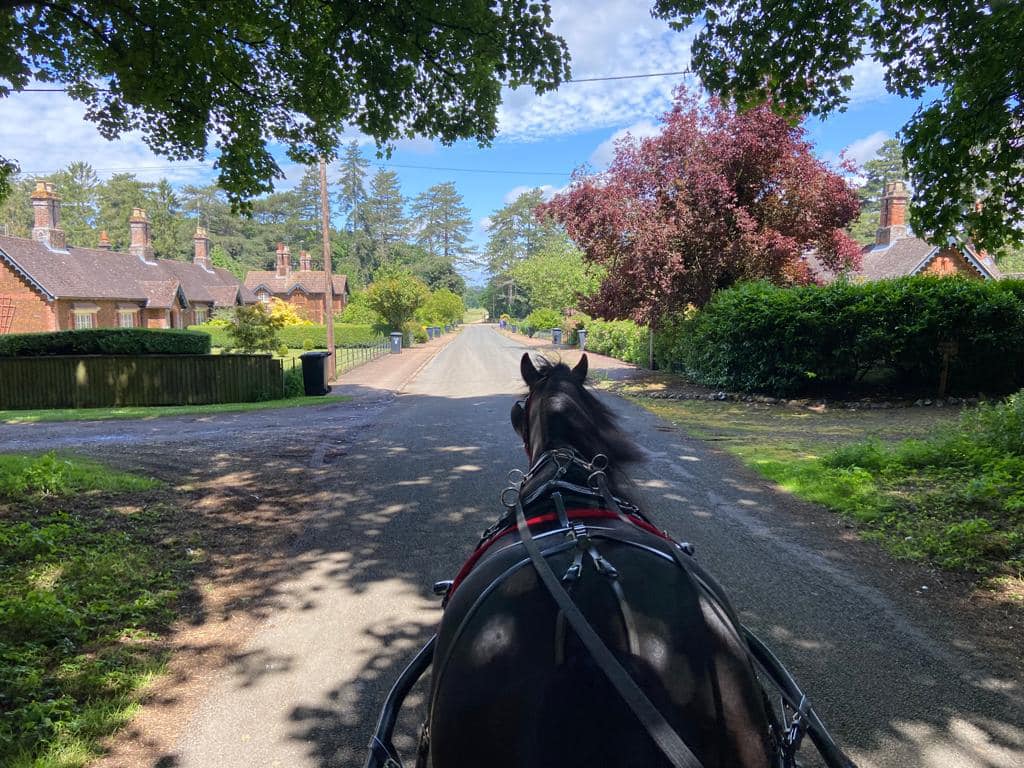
column 345, row 335
column 283, row 350
column 253, row 329
column 417, row 332
column 287, row 314
column 572, row 324
column 757, row 337
column 357, row 312
column 293, row 386
column 622, row 339
column 542, row 320
column 307, row 344
column 105, row 341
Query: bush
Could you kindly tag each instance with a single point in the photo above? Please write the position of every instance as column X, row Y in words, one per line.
column 295, row 337
column 357, row 312
column 105, row 341
column 758, row 337
column 621, row 339
column 542, row 320
column 307, row 344
column 571, row 325
column 293, row 386
column 416, row 331
column 283, row 350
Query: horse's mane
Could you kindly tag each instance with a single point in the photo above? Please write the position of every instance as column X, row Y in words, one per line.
column 590, row 427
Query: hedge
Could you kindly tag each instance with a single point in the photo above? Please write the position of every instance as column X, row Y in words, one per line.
column 295, row 336
column 784, row 341
column 621, row 339
column 105, row 341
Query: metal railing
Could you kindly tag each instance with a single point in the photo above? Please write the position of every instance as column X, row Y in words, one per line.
column 352, row 357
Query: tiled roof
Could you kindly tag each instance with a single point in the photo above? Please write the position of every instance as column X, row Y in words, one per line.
column 92, row 273
column 310, row 282
column 902, row 257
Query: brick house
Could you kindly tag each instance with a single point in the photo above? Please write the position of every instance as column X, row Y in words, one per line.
column 303, row 289
column 47, row 285
column 896, row 252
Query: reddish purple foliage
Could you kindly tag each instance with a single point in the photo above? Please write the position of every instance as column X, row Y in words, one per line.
column 717, row 198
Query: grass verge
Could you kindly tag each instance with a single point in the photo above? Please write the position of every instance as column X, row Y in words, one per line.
column 931, row 485
column 105, row 414
column 87, row 586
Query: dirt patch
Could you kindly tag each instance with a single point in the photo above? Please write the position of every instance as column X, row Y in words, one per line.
column 239, row 514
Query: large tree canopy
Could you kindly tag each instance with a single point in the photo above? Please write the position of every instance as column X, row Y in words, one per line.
column 237, row 73
column 964, row 145
column 718, row 197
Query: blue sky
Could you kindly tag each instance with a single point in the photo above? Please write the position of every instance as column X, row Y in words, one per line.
column 540, row 141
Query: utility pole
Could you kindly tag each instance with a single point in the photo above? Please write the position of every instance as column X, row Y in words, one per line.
column 325, row 229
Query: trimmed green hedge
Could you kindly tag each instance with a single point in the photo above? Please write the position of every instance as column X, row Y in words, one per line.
column 105, row 341
column 621, row 339
column 784, row 341
column 295, row 336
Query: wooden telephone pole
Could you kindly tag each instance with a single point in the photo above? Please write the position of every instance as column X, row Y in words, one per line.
column 325, row 230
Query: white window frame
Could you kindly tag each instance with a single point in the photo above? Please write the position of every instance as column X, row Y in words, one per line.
column 131, row 315
column 263, row 296
column 200, row 315
column 84, row 318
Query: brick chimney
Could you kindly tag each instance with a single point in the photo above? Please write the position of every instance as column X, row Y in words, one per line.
column 284, row 260
column 305, row 263
column 141, row 245
column 893, row 222
column 201, row 241
column 104, row 243
column 46, row 211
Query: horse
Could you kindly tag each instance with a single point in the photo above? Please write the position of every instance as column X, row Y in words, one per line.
column 578, row 634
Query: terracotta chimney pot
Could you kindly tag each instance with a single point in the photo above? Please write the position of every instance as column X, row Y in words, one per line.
column 104, row 243
column 46, row 216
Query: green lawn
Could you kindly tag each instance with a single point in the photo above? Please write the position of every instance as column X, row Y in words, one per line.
column 930, row 485
column 141, row 412
column 88, row 585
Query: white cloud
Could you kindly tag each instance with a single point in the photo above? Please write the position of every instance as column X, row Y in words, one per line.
column 547, row 192
column 864, row 149
column 46, row 131
column 868, row 81
column 601, row 157
column 618, row 37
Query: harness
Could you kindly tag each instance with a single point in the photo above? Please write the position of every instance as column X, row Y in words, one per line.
column 566, row 504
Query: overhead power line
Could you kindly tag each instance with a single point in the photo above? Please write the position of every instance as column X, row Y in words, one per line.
column 601, row 79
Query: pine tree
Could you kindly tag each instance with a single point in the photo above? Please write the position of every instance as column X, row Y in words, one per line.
column 443, row 223
column 352, row 184
column 383, row 216
column 887, row 165
column 78, row 186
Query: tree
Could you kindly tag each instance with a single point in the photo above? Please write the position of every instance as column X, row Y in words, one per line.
column 442, row 307
column 718, row 197
column 78, row 186
column 438, row 273
column 395, row 295
column 557, row 276
column 352, row 184
column 963, row 146
column 886, row 165
column 254, row 329
column 383, row 216
column 516, row 232
column 236, row 76
column 16, row 217
column 442, row 223
column 115, row 199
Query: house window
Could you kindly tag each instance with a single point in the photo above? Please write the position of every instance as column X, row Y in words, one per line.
column 85, row 318
column 200, row 315
column 263, row 296
column 127, row 318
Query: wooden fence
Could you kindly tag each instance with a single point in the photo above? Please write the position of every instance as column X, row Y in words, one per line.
column 96, row 381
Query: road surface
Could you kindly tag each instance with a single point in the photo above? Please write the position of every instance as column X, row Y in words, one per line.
column 415, row 480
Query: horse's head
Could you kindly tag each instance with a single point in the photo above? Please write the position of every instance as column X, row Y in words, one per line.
column 558, row 412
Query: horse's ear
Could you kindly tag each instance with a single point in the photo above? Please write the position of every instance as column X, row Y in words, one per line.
column 580, row 371
column 529, row 371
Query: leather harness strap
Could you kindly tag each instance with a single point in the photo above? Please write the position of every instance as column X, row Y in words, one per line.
column 659, row 729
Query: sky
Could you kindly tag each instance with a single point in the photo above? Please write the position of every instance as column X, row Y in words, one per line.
column 541, row 139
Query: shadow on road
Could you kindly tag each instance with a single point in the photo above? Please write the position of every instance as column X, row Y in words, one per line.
column 368, row 503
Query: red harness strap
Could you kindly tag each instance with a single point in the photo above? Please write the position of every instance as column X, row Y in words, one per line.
column 572, row 514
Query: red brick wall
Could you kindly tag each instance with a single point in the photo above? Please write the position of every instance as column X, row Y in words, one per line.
column 32, row 313
column 155, row 318
column 106, row 317
column 950, row 262
column 311, row 307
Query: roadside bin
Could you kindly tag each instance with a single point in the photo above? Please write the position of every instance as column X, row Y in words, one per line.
column 447, row 329
column 582, row 334
column 396, row 342
column 556, row 336
column 437, row 331
column 314, row 372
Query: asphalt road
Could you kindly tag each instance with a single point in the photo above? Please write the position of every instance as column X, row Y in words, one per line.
column 414, row 482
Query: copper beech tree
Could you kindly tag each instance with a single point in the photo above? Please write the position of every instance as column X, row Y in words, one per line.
column 717, row 198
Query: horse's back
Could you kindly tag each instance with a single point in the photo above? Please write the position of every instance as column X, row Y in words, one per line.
column 513, row 685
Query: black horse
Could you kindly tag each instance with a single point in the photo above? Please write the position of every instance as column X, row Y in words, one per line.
column 651, row 668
